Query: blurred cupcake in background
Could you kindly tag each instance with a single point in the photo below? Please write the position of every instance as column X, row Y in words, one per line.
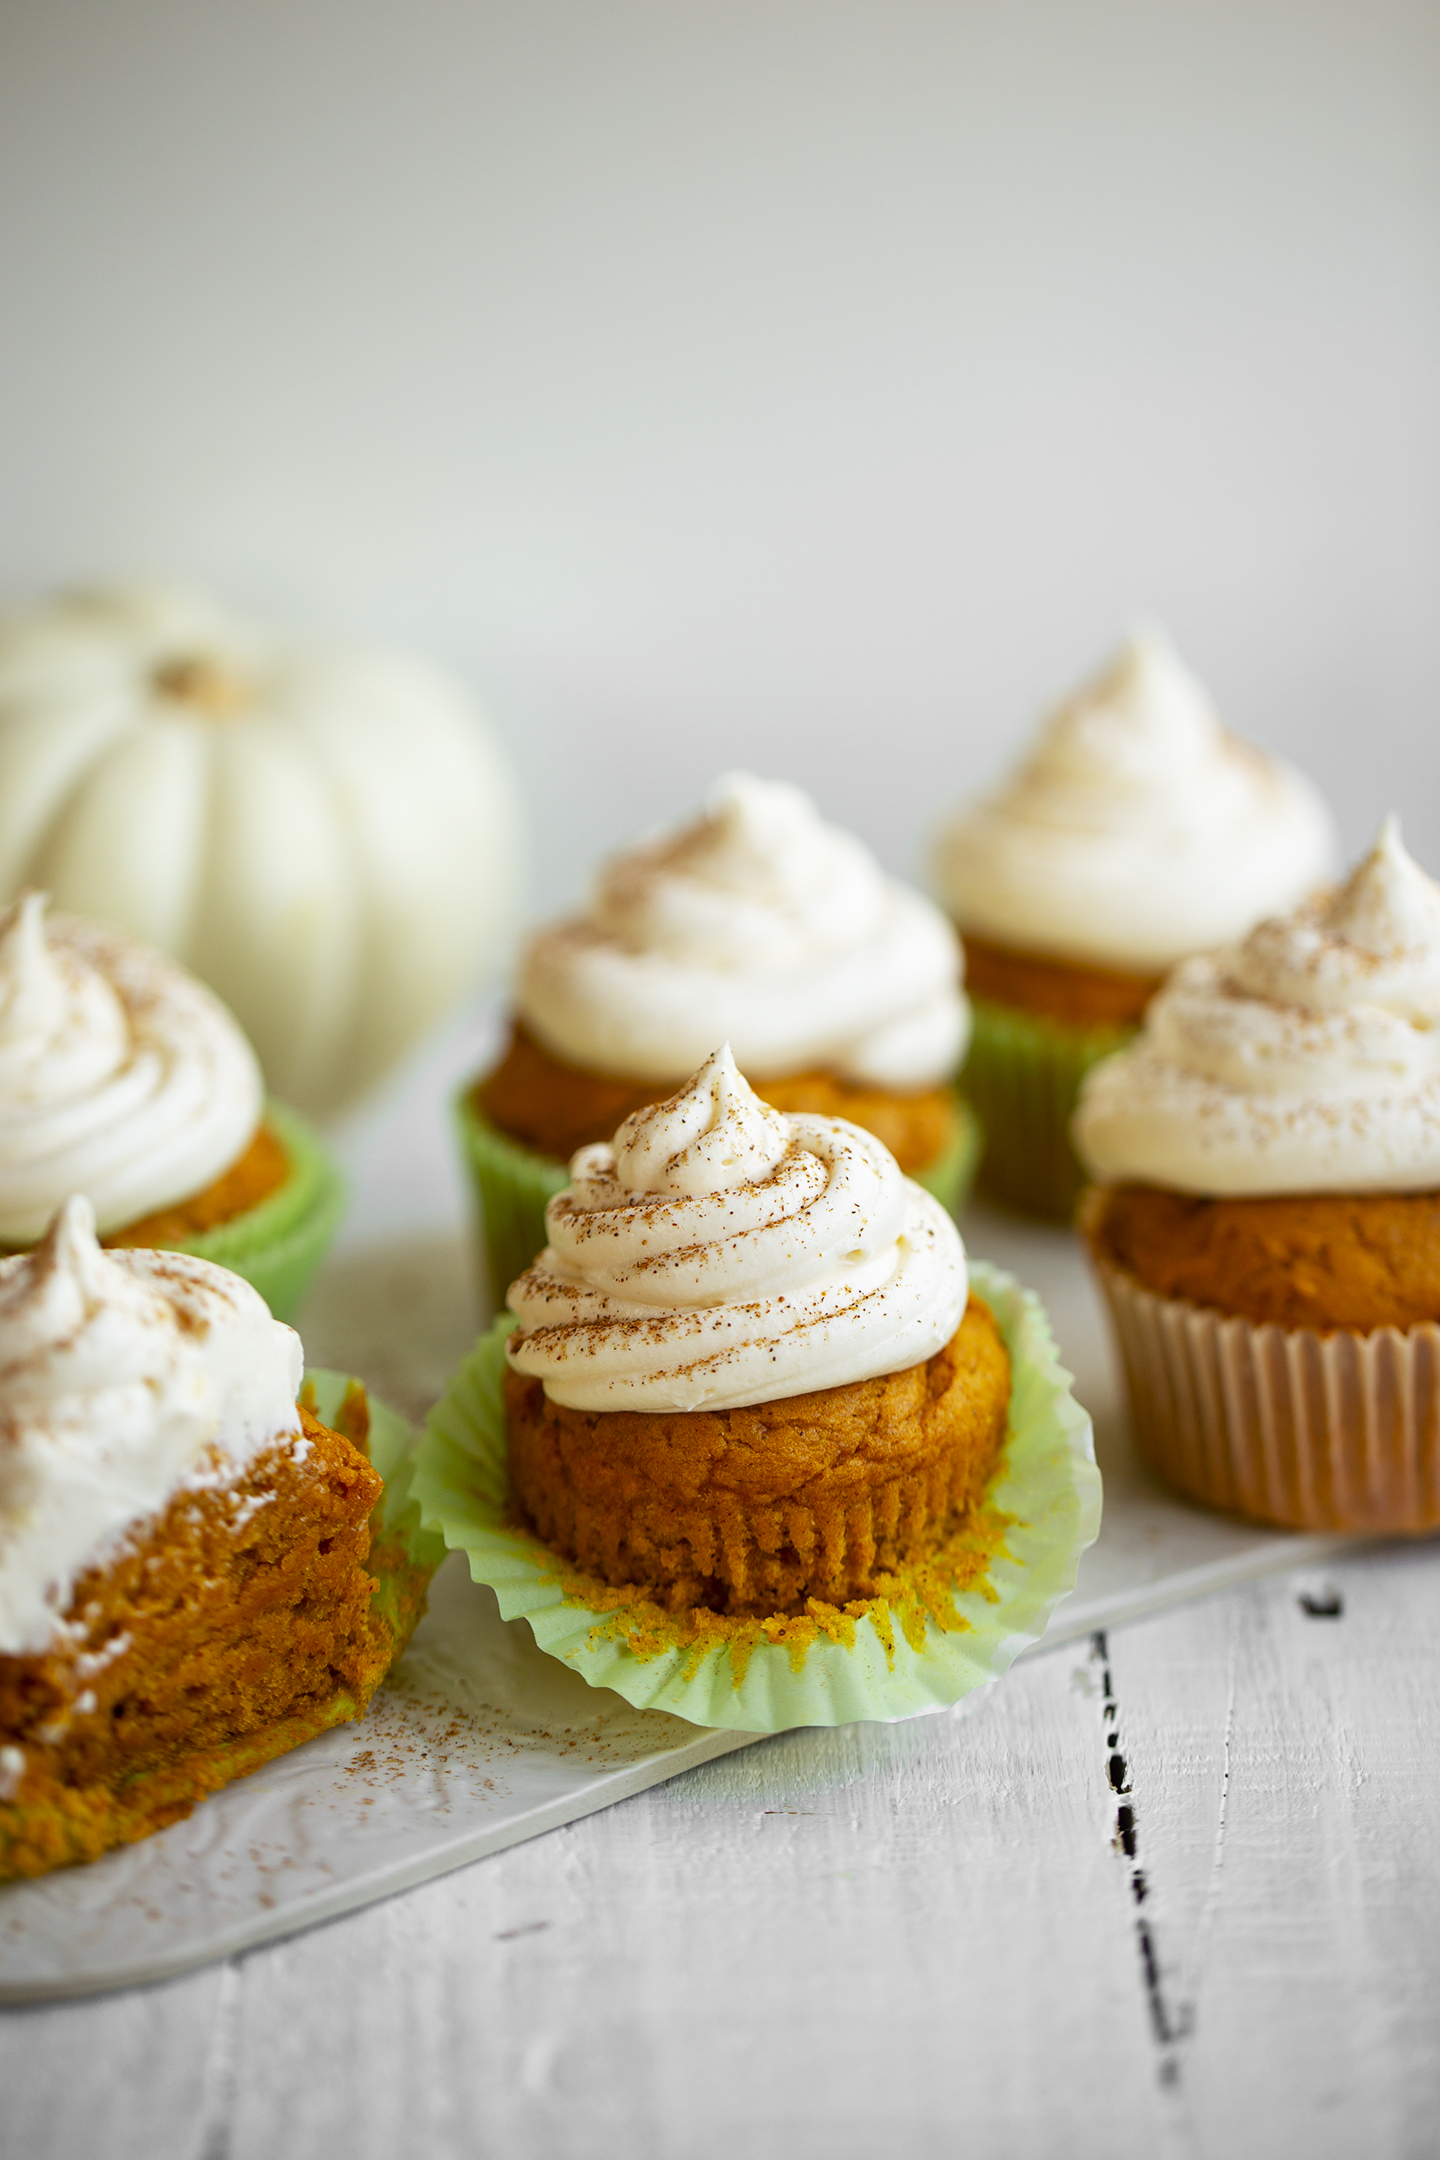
column 327, row 836
column 839, row 990
column 1266, row 1213
column 125, row 1079
column 1138, row 831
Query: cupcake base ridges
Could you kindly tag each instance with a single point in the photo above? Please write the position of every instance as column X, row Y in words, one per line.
column 1309, row 1431
column 237, row 1633
column 758, row 1510
column 937, row 1636
column 278, row 1245
column 1023, row 1075
column 512, row 1186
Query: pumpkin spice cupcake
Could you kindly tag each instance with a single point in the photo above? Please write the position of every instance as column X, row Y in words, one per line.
column 123, row 1077
column 839, row 990
column 746, row 1372
column 1266, row 1215
column 1138, row 831
column 194, row 1574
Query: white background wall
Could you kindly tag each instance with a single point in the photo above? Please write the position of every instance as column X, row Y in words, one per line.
column 808, row 383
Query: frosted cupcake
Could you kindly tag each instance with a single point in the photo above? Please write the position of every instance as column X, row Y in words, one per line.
column 196, row 1573
column 838, row 989
column 1266, row 1218
column 1137, row 832
column 747, row 1370
column 124, row 1078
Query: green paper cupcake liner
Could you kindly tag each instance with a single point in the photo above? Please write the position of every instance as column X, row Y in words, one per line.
column 512, row 1185
column 952, row 1173
column 278, row 1245
column 1046, row 1490
column 404, row 1551
column 1023, row 1076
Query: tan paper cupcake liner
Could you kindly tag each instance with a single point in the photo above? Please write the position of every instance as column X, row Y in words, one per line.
column 1316, row 1432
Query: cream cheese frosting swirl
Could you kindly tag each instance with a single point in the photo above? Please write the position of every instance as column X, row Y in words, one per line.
column 1305, row 1060
column 123, row 1376
column 763, row 924
column 121, row 1076
column 1138, row 830
column 718, row 1253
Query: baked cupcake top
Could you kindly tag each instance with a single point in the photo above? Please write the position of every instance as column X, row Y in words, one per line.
column 719, row 1253
column 121, row 1076
column 760, row 923
column 123, row 1376
column 1137, row 831
column 1305, row 1060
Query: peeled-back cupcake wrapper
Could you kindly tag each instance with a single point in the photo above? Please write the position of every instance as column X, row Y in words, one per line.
column 279, row 1244
column 1285, row 1425
column 391, row 1449
column 513, row 1184
column 403, row 1553
column 1023, row 1075
column 1047, row 1484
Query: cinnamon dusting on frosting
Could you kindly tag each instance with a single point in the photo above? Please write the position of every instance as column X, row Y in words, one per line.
column 761, row 923
column 719, row 1253
column 1305, row 1060
column 121, row 1076
column 1138, row 829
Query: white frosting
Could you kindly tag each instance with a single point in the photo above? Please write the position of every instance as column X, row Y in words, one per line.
column 1306, row 1060
column 123, row 1376
column 760, row 923
column 719, row 1253
column 120, row 1076
column 1137, row 831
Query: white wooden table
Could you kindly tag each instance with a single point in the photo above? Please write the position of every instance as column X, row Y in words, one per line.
column 1176, row 1890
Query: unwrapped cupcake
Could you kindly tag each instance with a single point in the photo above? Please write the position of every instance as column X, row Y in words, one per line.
column 123, row 1078
column 839, row 990
column 1266, row 1213
column 1137, row 832
column 196, row 1572
column 760, row 1447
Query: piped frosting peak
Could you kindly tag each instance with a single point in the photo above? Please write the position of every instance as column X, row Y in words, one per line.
column 123, row 1376
column 718, row 1253
column 1141, row 718
column 715, row 1134
column 1375, row 941
column 1137, row 830
column 1307, row 1059
column 759, row 922
column 121, row 1076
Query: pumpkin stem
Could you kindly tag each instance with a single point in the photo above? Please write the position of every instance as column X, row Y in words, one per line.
column 207, row 685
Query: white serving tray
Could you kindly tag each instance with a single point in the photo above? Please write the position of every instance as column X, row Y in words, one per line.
column 480, row 1740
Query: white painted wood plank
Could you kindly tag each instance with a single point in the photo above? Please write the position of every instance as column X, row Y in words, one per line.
column 142, row 2076
column 880, row 1934
column 1282, row 1769
column 809, row 1948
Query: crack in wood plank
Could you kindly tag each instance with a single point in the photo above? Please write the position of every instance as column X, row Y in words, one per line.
column 222, row 2070
column 1169, row 2028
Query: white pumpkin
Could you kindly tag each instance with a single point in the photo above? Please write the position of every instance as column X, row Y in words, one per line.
column 328, row 837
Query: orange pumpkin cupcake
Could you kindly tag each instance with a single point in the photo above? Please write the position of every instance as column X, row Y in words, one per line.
column 187, row 1578
column 1138, row 831
column 838, row 989
column 747, row 1371
column 124, row 1078
column 1266, row 1159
